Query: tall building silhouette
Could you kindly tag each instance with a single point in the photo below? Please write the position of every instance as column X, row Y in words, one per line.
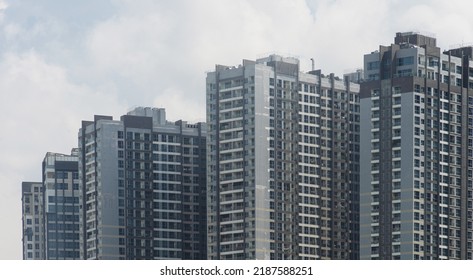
column 32, row 220
column 283, row 173
column 51, row 210
column 416, row 151
column 143, row 187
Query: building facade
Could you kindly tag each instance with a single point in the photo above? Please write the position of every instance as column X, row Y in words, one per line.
column 416, row 151
column 61, row 204
column 143, row 187
column 32, row 220
column 283, row 150
column 51, row 210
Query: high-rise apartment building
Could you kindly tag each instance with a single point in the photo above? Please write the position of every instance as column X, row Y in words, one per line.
column 283, row 173
column 144, row 184
column 61, row 205
column 51, row 210
column 417, row 151
column 32, row 220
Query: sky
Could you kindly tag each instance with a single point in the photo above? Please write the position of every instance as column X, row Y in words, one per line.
column 61, row 62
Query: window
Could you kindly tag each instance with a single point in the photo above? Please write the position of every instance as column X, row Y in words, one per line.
column 61, row 186
column 372, row 77
column 405, row 61
column 374, row 65
column 446, row 79
column 433, row 61
column 417, row 88
column 62, row 175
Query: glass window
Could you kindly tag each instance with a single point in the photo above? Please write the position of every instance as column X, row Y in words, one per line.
column 374, row 65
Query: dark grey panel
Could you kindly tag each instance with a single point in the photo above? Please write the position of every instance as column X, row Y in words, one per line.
column 366, row 87
column 66, row 165
column 26, row 186
column 137, row 122
column 86, row 123
column 416, row 39
column 281, row 67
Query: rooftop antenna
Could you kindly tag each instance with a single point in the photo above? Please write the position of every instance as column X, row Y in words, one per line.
column 313, row 64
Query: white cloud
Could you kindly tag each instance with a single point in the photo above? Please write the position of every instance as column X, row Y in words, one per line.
column 179, row 107
column 41, row 34
column 172, row 44
column 43, row 111
column 345, row 30
column 3, row 7
column 43, row 105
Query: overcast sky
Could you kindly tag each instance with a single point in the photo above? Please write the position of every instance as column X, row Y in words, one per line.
column 64, row 61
